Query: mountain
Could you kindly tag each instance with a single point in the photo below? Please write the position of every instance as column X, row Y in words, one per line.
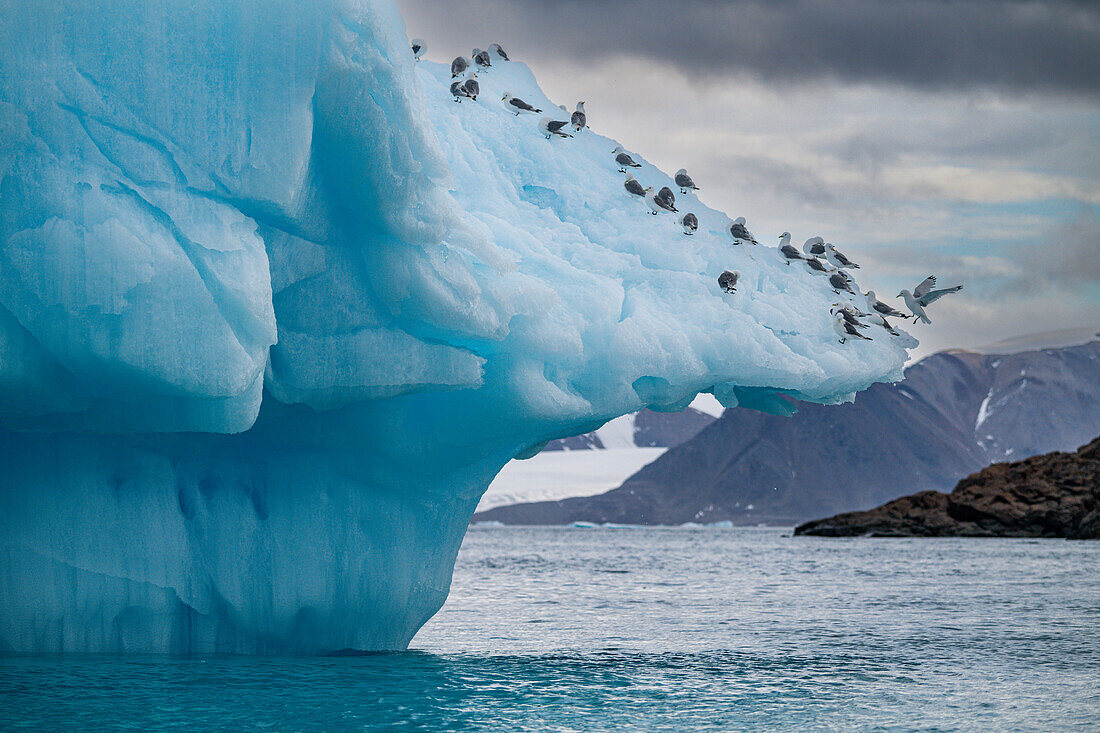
column 1052, row 495
column 954, row 413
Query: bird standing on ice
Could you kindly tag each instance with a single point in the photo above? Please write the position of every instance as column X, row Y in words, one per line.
column 844, row 329
column 458, row 90
column 837, row 259
column 669, row 198
column 814, row 246
column 481, row 58
column 728, row 280
column 578, row 118
column 690, row 223
column 883, row 309
column 495, row 48
column 459, row 66
column 683, row 180
column 516, row 105
column 788, row 250
column 624, row 160
column 632, row 186
column 840, row 281
column 740, row 233
column 655, row 203
column 471, row 87
column 419, row 48
column 924, row 296
column 549, row 127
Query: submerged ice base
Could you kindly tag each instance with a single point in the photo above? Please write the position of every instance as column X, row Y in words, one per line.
column 274, row 311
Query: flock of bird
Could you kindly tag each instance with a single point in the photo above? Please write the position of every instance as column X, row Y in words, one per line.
column 821, row 257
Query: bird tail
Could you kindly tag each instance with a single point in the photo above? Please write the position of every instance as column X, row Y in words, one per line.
column 538, row 110
column 635, row 165
column 925, row 319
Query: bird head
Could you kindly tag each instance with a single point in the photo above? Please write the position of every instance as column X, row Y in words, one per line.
column 682, row 172
column 739, row 220
column 648, row 189
column 903, row 293
column 506, row 97
column 618, row 149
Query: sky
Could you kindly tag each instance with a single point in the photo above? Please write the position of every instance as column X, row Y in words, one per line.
column 960, row 138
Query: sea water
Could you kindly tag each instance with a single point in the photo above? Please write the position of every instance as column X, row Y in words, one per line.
column 656, row 629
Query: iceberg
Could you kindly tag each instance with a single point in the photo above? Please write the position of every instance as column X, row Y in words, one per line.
column 274, row 311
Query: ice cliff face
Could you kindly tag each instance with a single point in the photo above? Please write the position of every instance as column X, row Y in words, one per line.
column 274, row 310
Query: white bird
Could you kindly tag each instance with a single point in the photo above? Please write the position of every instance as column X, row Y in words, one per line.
column 840, row 281
column 419, row 48
column 844, row 329
column 740, row 233
column 690, row 223
column 458, row 90
column 924, row 295
column 481, row 58
column 814, row 246
column 788, row 250
column 656, row 203
column 624, row 160
column 515, row 105
column 495, row 48
column 837, row 259
column 883, row 309
column 549, row 127
column 815, row 264
column 472, row 87
column 578, row 119
column 632, row 186
column 683, row 180
column 669, row 198
column 459, row 66
column 728, row 280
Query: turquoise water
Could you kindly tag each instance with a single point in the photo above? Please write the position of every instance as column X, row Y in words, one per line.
column 650, row 629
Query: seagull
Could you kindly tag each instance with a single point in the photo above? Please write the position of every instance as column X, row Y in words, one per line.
column 624, row 160
column 458, row 89
column 815, row 264
column 728, row 280
column 632, row 186
column 495, row 48
column 840, row 281
column 844, row 329
column 876, row 318
column 690, row 223
column 656, row 203
column 517, row 105
column 740, row 233
column 471, row 87
column 877, row 306
column 459, row 66
column 683, row 180
column 578, row 118
column 851, row 315
column 666, row 195
column 924, row 296
column 814, row 246
column 419, row 48
column 837, row 259
column 481, row 58
column 787, row 249
column 549, row 126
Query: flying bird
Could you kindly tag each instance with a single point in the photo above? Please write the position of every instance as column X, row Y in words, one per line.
column 495, row 48
column 517, row 105
column 632, row 186
column 740, row 233
column 578, row 118
column 666, row 195
column 844, row 329
column 924, row 295
column 837, row 259
column 728, row 280
column 690, row 223
column 683, row 180
column 419, row 48
column 459, row 66
column 549, row 127
column 624, row 160
column 481, row 58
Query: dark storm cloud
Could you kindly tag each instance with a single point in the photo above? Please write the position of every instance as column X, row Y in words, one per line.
column 998, row 44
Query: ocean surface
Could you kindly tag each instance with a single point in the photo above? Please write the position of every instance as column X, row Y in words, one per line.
column 657, row 629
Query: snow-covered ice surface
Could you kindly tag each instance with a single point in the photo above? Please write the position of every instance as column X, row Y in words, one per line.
column 274, row 310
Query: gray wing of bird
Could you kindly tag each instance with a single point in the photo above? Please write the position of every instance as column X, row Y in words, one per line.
column 842, row 259
column 790, row 252
column 577, row 119
column 684, row 181
column 887, row 310
column 928, row 283
column 690, row 220
column 624, row 159
column 634, row 187
column 555, row 125
column 933, row 295
column 815, row 264
column 520, row 104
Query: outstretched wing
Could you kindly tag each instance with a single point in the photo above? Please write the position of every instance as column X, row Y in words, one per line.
column 934, row 295
column 924, row 287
